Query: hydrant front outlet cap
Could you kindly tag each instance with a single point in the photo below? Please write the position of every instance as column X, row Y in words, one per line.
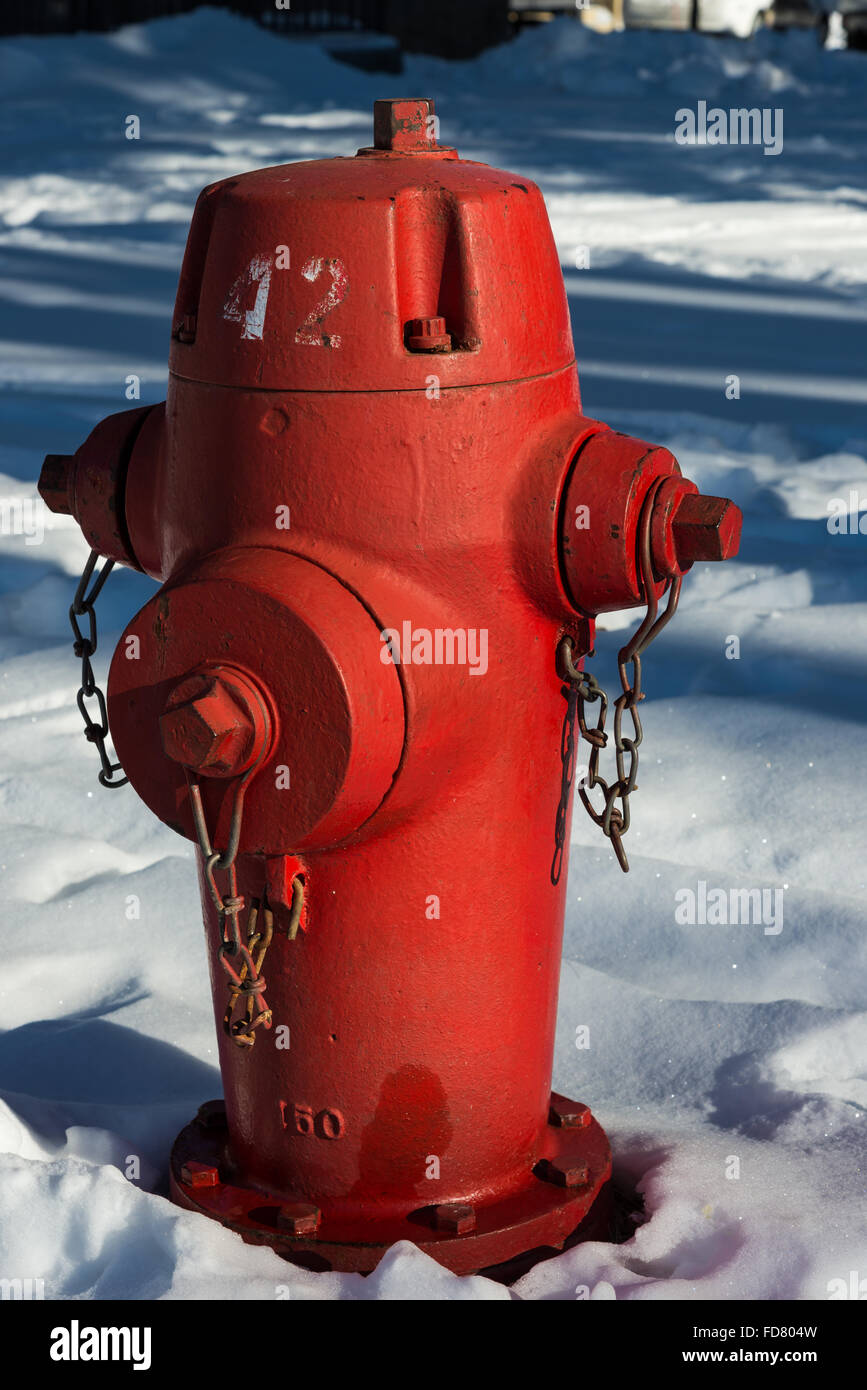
column 383, row 527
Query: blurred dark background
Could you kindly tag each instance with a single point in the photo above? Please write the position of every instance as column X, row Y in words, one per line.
column 446, row 28
column 374, row 34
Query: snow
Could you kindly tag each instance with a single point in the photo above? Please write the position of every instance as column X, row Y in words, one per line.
column 713, row 1048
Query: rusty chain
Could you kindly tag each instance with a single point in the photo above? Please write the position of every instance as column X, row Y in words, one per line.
column 84, row 646
column 242, row 956
column 582, row 689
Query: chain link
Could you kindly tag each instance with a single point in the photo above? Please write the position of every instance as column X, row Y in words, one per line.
column 84, row 646
column 582, row 690
column 242, row 956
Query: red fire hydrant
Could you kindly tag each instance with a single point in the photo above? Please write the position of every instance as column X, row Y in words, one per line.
column 383, row 528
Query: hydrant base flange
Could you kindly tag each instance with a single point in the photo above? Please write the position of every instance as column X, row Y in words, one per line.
column 568, row 1188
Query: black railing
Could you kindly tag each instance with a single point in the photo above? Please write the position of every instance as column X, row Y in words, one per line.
column 313, row 16
column 68, row 16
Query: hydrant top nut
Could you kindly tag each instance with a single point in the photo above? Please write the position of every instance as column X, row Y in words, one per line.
column 407, row 125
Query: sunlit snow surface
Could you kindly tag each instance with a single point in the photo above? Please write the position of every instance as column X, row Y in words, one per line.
column 708, row 1043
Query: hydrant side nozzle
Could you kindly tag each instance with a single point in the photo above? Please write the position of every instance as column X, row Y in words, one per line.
column 601, row 512
column 91, row 483
column 612, row 478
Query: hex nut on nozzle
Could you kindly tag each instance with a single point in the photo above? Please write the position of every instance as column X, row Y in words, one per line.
column 706, row 528
column 54, row 483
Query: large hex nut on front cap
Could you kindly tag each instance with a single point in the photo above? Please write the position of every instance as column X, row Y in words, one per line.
column 216, row 722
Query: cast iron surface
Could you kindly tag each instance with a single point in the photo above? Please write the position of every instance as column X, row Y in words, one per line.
column 540, row 1214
